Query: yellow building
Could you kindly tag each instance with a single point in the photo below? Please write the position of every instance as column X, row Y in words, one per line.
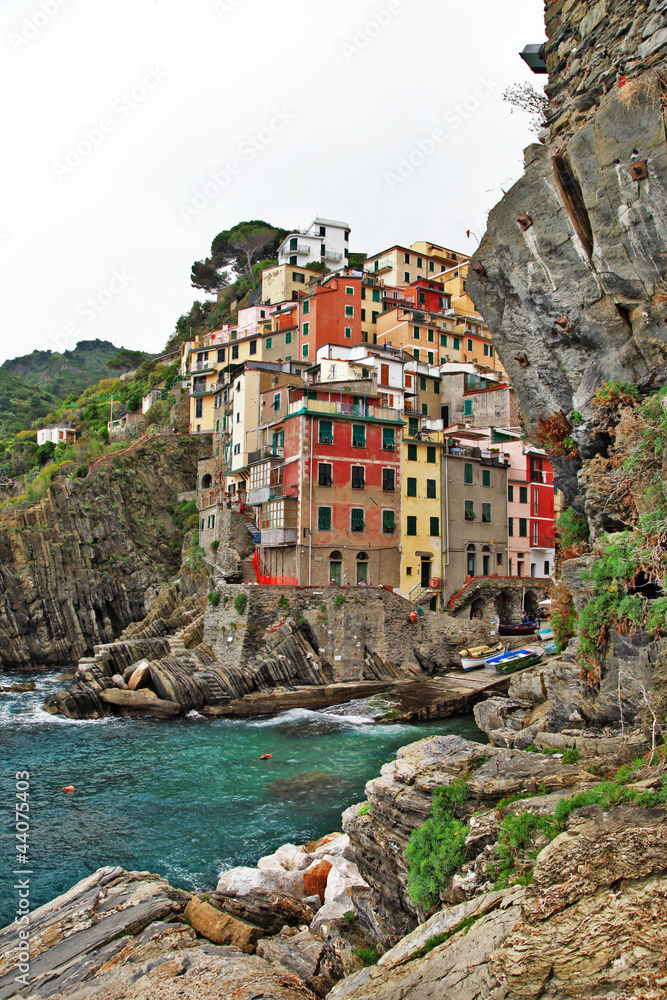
column 284, row 283
column 422, row 511
column 402, row 265
column 469, row 328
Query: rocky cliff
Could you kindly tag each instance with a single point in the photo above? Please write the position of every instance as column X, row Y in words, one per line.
column 570, row 273
column 89, row 559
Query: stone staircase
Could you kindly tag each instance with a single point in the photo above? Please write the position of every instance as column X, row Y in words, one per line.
column 177, row 644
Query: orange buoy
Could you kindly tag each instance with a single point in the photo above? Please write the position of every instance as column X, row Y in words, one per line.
column 69, row 788
column 413, row 616
column 265, row 756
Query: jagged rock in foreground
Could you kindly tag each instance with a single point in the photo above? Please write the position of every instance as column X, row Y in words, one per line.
column 89, row 559
column 118, row 936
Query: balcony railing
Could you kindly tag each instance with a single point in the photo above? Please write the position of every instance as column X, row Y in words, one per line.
column 324, row 406
column 201, row 366
column 332, row 254
column 299, row 248
column 543, row 542
column 266, row 452
column 202, row 390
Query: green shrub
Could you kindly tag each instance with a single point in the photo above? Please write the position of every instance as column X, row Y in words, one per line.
column 572, row 528
column 350, row 917
column 283, row 602
column 368, row 956
column 437, row 848
column 570, row 756
column 214, row 598
column 364, row 809
column 215, row 544
column 240, row 602
column 339, row 599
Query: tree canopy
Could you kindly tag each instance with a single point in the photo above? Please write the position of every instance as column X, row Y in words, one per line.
column 239, row 248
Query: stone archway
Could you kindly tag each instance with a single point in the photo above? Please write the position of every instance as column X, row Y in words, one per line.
column 530, row 605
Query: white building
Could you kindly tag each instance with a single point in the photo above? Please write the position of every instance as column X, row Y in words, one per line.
column 57, row 433
column 350, row 362
column 325, row 240
column 152, row 397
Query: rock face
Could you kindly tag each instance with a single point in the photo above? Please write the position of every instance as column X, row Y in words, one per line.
column 79, row 567
column 574, row 293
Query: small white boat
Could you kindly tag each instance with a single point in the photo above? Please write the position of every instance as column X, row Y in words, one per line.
column 516, row 659
column 477, row 656
column 546, row 634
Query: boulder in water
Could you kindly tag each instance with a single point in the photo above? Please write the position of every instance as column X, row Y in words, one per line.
column 140, row 676
column 138, row 701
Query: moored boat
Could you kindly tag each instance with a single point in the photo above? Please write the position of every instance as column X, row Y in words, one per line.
column 527, row 628
column 516, row 659
column 477, row 656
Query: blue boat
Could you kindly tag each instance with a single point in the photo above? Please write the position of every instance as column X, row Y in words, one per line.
column 516, row 659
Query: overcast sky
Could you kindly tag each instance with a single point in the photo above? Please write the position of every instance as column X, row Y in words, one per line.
column 135, row 130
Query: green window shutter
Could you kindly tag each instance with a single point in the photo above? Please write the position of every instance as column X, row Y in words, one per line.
column 470, row 347
column 269, row 343
column 376, row 295
column 411, row 526
column 363, row 315
column 304, row 350
column 523, row 527
column 434, row 529
column 388, row 523
column 288, row 338
column 443, row 340
column 412, row 453
column 430, row 455
column 424, row 410
column 348, row 331
column 523, row 494
column 469, row 510
column 412, row 487
column 510, row 493
column 358, row 435
column 374, row 317
column 413, row 426
column 217, row 426
column 415, row 333
column 430, row 489
column 436, row 386
column 486, row 477
column 326, row 432
column 430, row 336
column 431, row 358
column 357, row 522
column 306, row 307
column 467, row 408
column 416, row 353
column 363, row 292
column 388, row 439
column 457, row 343
column 510, row 526
column 349, row 310
column 324, row 518
column 486, row 513
column 306, row 329
column 422, row 384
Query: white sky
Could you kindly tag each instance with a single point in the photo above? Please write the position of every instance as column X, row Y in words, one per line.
column 315, row 103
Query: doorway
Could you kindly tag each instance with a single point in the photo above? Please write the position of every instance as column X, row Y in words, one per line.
column 362, row 568
column 425, row 571
column 336, row 568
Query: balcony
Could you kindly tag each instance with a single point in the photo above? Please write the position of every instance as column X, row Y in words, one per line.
column 543, row 541
column 302, row 248
column 201, row 366
column 202, row 390
column 332, row 254
column 266, row 452
column 278, row 536
column 274, row 491
column 323, row 406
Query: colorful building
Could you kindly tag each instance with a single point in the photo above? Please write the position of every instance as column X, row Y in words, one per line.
column 325, row 241
column 400, row 266
column 284, row 283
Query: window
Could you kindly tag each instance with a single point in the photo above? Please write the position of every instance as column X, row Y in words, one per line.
column 406, row 276
column 408, row 381
column 358, row 477
column 306, row 328
column 217, row 402
column 467, row 408
column 470, row 347
column 486, row 477
column 546, row 567
column 374, row 316
column 326, row 432
column 253, row 347
column 269, row 343
column 275, row 405
column 499, row 558
column 469, row 510
column 363, row 292
column 413, row 426
column 486, row 513
column 235, row 352
column 430, row 336
column 348, row 331
column 408, row 570
column 523, row 527
column 457, row 344
column 411, row 487
column 535, row 535
column 422, row 384
column 431, row 265
column 199, row 407
column 363, row 315
column 467, row 473
column 406, row 258
column 470, row 560
column 388, row 480
column 376, row 295
column 349, row 310
column 430, row 489
column 324, row 518
column 424, row 409
column 430, row 455
column 434, row 527
column 293, row 243
column 443, row 340
column 324, row 474
column 221, row 355
column 217, row 427
column 488, row 350
column 299, row 278
column 238, row 417
column 288, row 338
column 431, row 358
column 415, row 352
column 536, row 503
column 415, row 333
column 202, row 524
column 306, row 307
column 420, row 262
column 510, row 526
column 304, row 350
column 358, row 436
column 486, row 560
column 292, row 260
column 523, row 494
column 349, row 290
column 388, row 439
column 388, row 522
column 412, row 453
column 510, row 494
column 436, row 386
column 411, row 528
column 357, row 519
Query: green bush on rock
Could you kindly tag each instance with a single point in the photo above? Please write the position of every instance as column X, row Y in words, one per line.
column 437, row 848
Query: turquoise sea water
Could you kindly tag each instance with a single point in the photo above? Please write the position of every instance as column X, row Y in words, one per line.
column 185, row 798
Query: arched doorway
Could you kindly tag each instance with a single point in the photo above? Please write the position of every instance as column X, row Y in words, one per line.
column 362, row 568
column 477, row 609
column 504, row 607
column 486, row 560
column 335, row 568
column 530, row 605
column 471, row 559
column 206, row 481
